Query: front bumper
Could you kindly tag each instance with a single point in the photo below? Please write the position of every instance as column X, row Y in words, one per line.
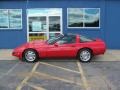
column 17, row 54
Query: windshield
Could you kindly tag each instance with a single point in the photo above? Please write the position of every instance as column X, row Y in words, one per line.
column 54, row 39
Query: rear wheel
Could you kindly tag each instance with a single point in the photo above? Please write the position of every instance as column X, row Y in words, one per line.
column 85, row 55
column 30, row 55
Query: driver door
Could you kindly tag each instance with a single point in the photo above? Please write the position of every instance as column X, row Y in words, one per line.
column 65, row 47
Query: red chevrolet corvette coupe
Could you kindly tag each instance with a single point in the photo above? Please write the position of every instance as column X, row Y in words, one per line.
column 68, row 45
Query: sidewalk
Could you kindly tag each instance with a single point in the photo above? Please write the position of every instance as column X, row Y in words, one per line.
column 6, row 54
column 110, row 55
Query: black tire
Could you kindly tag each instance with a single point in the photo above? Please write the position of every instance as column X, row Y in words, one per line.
column 82, row 56
column 34, row 55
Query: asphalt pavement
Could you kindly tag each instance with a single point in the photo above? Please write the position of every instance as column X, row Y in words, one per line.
column 102, row 73
column 54, row 74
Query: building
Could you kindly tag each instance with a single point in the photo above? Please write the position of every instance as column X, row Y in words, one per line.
column 26, row 20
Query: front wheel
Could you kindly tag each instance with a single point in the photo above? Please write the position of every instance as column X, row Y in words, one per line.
column 85, row 55
column 30, row 55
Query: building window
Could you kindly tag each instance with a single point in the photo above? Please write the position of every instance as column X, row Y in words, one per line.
column 83, row 17
column 44, row 23
column 10, row 19
column 4, row 22
column 15, row 18
column 37, row 24
column 54, row 23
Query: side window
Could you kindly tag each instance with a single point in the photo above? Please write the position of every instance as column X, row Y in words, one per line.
column 85, row 39
column 67, row 40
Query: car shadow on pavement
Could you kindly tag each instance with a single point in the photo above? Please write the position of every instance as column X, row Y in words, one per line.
column 58, row 60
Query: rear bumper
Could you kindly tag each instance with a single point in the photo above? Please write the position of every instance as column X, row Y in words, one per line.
column 100, row 48
column 99, row 51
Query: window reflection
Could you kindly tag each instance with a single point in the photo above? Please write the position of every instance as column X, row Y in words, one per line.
column 92, row 17
column 83, row 17
column 11, row 18
column 44, row 23
column 52, row 35
column 54, row 23
column 4, row 23
column 37, row 24
column 15, row 18
column 75, row 17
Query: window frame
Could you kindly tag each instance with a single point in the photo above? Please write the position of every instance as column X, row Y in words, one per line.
column 9, row 20
column 83, row 27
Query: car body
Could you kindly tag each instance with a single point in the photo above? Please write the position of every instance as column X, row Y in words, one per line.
column 67, row 45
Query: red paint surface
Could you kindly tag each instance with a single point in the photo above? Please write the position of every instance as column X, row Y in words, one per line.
column 65, row 50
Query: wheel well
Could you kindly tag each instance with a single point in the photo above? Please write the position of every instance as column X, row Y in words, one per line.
column 82, row 49
column 30, row 49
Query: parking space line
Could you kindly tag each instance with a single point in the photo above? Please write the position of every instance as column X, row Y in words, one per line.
column 84, row 80
column 57, row 78
column 35, row 87
column 19, row 87
column 66, row 69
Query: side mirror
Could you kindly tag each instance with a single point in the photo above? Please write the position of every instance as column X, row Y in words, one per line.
column 56, row 44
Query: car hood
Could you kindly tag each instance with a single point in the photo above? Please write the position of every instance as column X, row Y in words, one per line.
column 32, row 44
